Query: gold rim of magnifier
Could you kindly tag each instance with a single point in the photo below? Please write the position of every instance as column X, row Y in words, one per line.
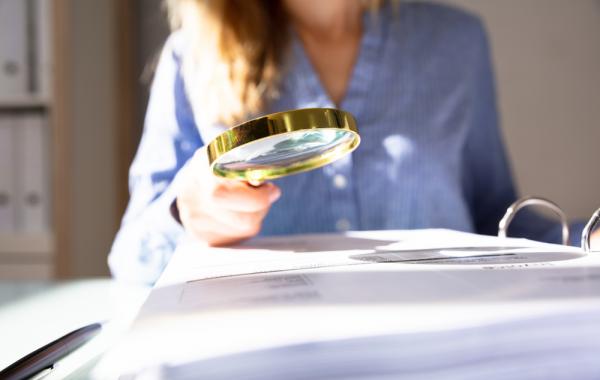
column 277, row 124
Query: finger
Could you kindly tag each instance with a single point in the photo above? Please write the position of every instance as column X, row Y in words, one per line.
column 211, row 237
column 236, row 223
column 223, row 221
column 209, row 229
column 246, row 223
column 244, row 198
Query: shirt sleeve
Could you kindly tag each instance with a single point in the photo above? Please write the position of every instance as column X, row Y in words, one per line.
column 148, row 233
column 487, row 176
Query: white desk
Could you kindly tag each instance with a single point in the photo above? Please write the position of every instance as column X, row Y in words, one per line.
column 45, row 311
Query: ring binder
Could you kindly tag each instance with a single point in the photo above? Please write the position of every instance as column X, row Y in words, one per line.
column 538, row 201
column 587, row 231
column 533, row 201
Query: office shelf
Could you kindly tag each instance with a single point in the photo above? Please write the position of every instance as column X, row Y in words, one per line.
column 29, row 245
column 23, row 103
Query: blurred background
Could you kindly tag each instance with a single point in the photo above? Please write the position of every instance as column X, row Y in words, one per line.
column 74, row 77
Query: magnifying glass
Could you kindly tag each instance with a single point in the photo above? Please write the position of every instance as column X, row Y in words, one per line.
column 283, row 143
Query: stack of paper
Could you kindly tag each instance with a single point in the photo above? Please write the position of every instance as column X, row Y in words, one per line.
column 417, row 304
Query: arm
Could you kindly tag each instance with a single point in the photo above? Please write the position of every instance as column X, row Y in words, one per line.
column 487, row 177
column 169, row 168
column 148, row 233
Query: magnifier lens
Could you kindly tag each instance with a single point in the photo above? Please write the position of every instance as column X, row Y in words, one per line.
column 302, row 142
column 281, row 152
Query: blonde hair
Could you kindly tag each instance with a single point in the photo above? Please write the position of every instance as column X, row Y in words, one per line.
column 237, row 50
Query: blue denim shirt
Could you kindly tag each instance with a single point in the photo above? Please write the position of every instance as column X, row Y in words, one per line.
column 431, row 154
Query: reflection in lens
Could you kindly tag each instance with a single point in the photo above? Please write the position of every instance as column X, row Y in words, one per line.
column 285, row 150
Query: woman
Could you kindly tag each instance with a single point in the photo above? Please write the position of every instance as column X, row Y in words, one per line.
column 416, row 76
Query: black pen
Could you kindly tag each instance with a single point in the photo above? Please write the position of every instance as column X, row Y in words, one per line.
column 45, row 357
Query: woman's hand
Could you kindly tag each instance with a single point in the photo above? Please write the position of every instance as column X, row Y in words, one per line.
column 221, row 211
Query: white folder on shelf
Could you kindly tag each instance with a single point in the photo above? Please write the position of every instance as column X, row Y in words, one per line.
column 43, row 15
column 32, row 180
column 13, row 49
column 7, row 175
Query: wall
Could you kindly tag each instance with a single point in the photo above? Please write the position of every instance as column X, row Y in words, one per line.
column 151, row 32
column 92, row 118
column 547, row 60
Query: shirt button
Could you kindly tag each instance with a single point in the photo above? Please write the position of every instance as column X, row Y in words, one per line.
column 186, row 146
column 342, row 224
column 339, row 181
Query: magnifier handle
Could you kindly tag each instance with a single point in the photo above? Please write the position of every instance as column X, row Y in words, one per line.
column 255, row 183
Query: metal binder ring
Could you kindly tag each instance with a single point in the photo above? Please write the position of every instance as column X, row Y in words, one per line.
column 530, row 201
column 587, row 231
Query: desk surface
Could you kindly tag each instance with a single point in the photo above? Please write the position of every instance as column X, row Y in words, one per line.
column 33, row 314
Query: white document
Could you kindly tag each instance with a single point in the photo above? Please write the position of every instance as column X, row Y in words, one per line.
column 32, row 176
column 7, row 176
column 426, row 304
column 448, row 248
